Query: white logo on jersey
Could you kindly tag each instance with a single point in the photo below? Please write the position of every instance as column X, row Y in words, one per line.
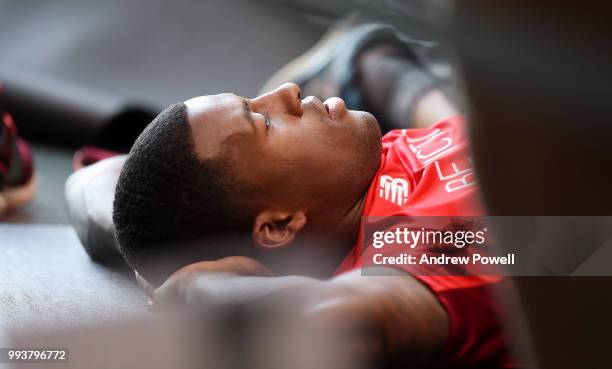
column 394, row 189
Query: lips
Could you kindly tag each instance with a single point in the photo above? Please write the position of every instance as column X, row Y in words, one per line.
column 334, row 106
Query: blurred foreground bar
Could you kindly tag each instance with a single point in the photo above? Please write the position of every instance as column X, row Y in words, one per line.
column 538, row 83
column 219, row 340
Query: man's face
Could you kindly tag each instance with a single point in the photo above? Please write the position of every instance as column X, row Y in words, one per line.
column 299, row 153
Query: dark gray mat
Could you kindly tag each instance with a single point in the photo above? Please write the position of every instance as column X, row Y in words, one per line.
column 46, row 278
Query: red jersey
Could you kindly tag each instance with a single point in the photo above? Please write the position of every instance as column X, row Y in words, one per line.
column 428, row 172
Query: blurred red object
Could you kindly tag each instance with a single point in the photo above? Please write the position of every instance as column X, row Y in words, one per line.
column 88, row 155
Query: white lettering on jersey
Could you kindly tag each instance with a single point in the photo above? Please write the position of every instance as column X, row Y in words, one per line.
column 393, row 189
column 424, row 149
column 458, row 178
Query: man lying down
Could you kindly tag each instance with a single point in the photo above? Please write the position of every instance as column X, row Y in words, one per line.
column 284, row 171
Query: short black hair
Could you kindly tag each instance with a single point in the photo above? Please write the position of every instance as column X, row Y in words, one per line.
column 167, row 196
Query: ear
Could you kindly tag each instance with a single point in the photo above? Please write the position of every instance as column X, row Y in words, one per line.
column 277, row 228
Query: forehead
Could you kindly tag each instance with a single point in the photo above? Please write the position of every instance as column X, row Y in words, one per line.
column 215, row 118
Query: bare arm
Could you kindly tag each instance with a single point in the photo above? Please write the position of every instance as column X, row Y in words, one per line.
column 390, row 320
column 411, row 324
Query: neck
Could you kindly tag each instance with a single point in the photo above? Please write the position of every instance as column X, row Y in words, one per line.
column 322, row 256
column 343, row 235
column 348, row 227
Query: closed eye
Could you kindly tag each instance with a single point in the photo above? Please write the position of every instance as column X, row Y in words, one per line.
column 248, row 112
column 268, row 120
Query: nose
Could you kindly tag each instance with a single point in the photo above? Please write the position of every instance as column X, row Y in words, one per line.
column 284, row 99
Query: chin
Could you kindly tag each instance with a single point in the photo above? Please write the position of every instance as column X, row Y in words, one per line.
column 370, row 139
column 369, row 126
column 372, row 123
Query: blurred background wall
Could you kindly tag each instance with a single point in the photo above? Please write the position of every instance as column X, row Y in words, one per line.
column 157, row 51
